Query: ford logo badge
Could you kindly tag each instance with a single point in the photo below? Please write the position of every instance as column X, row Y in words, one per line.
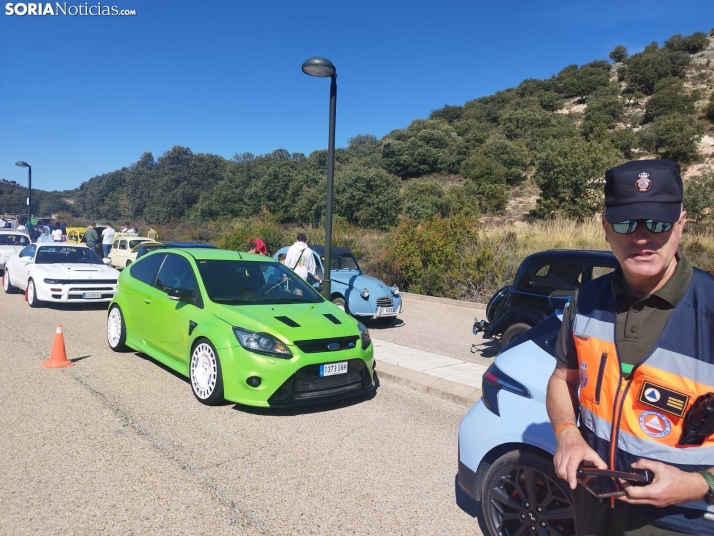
column 333, row 346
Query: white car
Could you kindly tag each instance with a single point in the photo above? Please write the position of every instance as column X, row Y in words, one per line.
column 60, row 273
column 125, row 248
column 11, row 242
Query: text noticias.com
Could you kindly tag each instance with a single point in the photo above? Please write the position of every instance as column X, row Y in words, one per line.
column 95, row 10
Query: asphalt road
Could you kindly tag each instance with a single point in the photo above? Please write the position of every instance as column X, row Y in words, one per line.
column 117, row 444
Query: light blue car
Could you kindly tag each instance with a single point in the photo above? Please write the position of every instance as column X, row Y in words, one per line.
column 506, row 442
column 353, row 291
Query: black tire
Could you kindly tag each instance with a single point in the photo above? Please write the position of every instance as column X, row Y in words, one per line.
column 522, row 495
column 116, row 329
column 513, row 332
column 340, row 302
column 7, row 287
column 32, row 300
column 205, row 374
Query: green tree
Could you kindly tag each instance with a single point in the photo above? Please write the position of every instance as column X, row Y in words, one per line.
column 669, row 97
column 361, row 195
column 699, row 197
column 422, row 200
column 570, row 174
column 694, row 43
column 618, row 54
column 645, row 69
column 673, row 137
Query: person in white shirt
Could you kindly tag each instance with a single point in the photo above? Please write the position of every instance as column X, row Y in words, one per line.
column 57, row 234
column 300, row 258
column 107, row 239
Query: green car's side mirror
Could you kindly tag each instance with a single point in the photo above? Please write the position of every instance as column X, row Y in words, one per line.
column 179, row 294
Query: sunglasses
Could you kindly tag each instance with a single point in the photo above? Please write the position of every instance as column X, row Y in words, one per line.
column 629, row 226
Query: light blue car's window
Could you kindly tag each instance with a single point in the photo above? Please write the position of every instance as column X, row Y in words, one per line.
column 344, row 262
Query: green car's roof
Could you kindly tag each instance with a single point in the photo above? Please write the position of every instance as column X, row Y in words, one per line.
column 218, row 254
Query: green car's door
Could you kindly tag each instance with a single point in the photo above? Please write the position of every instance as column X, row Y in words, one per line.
column 172, row 318
column 140, row 294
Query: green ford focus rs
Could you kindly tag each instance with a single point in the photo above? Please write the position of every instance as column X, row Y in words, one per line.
column 241, row 327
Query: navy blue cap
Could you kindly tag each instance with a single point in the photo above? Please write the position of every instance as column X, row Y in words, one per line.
column 643, row 190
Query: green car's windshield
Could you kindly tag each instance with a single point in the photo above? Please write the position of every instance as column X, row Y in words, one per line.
column 238, row 282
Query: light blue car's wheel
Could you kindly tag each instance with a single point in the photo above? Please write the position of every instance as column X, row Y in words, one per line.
column 340, row 302
column 205, row 373
column 522, row 495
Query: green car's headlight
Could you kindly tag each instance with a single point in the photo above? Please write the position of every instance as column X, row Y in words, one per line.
column 262, row 343
column 364, row 335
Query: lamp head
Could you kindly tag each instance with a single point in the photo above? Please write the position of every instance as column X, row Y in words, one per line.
column 22, row 164
column 317, row 66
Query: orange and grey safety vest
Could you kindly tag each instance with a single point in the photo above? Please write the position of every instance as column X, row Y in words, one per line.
column 625, row 419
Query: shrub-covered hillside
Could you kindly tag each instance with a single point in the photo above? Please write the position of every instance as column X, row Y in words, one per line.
column 557, row 135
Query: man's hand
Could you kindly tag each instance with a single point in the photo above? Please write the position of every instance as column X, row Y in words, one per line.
column 572, row 450
column 670, row 486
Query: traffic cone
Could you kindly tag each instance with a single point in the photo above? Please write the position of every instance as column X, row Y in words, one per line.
column 58, row 356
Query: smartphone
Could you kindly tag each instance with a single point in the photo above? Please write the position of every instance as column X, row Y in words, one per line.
column 604, row 483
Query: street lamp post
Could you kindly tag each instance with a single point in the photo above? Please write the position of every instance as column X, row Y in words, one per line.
column 322, row 67
column 29, row 191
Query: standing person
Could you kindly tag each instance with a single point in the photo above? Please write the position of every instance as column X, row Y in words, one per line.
column 107, row 239
column 260, row 247
column 90, row 236
column 153, row 234
column 634, row 353
column 300, row 258
column 57, row 234
column 63, row 227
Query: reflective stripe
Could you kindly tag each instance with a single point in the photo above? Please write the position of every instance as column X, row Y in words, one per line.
column 591, row 327
column 683, row 365
column 664, row 453
column 597, row 425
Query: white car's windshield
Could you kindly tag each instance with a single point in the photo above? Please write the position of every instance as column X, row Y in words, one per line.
column 66, row 254
column 14, row 240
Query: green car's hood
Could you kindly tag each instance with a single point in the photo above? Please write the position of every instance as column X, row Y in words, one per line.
column 279, row 320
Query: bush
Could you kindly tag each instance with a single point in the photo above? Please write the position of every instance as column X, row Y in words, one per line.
column 699, row 197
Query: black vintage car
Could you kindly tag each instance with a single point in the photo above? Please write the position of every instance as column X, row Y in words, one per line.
column 516, row 308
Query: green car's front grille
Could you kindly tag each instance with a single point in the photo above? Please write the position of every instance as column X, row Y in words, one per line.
column 327, row 345
column 306, row 384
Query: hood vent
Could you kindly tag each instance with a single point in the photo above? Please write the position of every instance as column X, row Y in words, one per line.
column 288, row 321
column 332, row 318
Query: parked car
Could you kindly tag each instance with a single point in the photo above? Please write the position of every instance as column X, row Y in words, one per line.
column 516, row 308
column 11, row 242
column 506, row 443
column 125, row 248
column 59, row 272
column 146, row 247
column 352, row 290
column 241, row 327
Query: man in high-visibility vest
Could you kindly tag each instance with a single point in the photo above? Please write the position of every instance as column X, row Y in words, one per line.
column 635, row 351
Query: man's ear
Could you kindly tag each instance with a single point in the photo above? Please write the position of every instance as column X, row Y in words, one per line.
column 603, row 221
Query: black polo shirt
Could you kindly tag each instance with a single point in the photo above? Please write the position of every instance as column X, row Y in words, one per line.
column 639, row 321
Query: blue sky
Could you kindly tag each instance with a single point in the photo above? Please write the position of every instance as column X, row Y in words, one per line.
column 85, row 95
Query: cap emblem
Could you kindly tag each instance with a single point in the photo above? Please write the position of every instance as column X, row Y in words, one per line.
column 643, row 182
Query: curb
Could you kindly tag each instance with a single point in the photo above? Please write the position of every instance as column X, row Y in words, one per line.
column 419, row 381
column 448, row 301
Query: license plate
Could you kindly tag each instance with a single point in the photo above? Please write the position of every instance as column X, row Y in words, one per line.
column 91, row 295
column 333, row 368
column 386, row 310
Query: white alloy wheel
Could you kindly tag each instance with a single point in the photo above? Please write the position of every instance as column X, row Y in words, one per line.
column 6, row 283
column 32, row 300
column 116, row 329
column 204, row 371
